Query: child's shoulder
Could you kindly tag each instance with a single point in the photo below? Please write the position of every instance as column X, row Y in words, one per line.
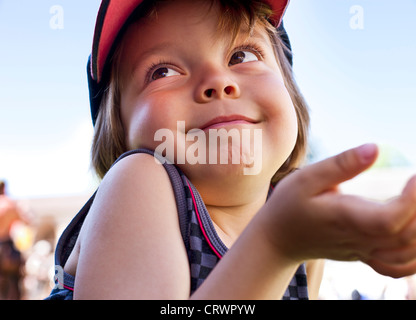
column 137, row 192
column 137, row 179
column 136, row 165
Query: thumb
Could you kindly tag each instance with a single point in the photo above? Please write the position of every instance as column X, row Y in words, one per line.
column 330, row 172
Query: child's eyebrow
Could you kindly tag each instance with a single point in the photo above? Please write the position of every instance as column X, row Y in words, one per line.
column 154, row 50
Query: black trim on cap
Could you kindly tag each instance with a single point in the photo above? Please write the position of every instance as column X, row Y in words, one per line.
column 285, row 38
column 95, row 93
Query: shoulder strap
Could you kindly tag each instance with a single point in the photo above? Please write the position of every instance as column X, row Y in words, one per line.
column 68, row 238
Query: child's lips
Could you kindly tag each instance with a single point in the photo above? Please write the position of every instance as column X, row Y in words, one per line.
column 227, row 120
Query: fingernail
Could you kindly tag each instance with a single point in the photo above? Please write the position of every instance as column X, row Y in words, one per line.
column 367, row 152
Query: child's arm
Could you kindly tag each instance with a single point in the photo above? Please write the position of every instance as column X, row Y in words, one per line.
column 314, row 272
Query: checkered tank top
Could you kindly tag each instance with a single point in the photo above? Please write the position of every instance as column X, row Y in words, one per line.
column 203, row 245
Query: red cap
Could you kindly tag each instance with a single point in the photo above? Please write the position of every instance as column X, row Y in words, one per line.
column 114, row 13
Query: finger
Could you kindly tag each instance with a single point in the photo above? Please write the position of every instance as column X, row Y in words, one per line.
column 393, row 270
column 400, row 256
column 394, row 221
column 327, row 174
column 398, row 215
column 409, row 191
column 401, row 233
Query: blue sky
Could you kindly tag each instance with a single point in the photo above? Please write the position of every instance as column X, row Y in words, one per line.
column 360, row 84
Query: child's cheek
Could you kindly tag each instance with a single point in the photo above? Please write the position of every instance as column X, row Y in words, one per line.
column 271, row 95
column 281, row 124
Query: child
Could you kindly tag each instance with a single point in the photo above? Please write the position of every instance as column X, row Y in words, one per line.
column 195, row 223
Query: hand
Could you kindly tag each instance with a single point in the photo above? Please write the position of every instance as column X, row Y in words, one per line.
column 311, row 219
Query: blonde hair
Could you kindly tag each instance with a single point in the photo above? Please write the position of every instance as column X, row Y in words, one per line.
column 109, row 138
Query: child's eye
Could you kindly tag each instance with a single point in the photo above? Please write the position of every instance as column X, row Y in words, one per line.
column 163, row 72
column 242, row 56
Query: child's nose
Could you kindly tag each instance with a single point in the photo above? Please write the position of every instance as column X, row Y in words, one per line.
column 228, row 91
column 216, row 85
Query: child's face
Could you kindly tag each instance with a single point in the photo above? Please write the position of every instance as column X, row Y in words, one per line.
column 177, row 67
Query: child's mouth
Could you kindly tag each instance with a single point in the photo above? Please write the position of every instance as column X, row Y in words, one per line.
column 227, row 120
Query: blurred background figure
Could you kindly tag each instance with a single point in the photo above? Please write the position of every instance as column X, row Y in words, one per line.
column 39, row 258
column 11, row 260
